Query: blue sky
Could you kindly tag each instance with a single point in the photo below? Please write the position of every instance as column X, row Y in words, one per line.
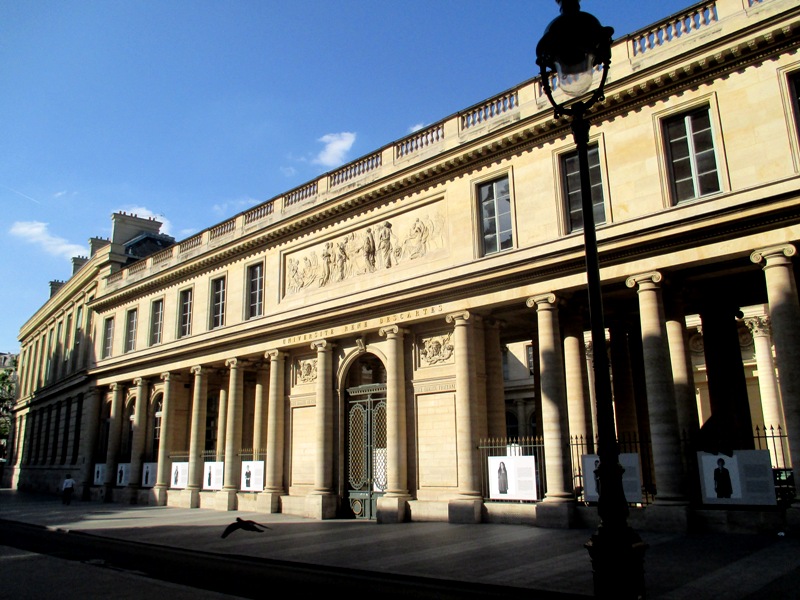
column 195, row 110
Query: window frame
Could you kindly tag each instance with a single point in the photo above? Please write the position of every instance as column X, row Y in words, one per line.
column 254, row 309
column 185, row 314
column 691, row 135
column 108, row 337
column 217, row 298
column 131, row 324
column 481, row 221
column 156, row 336
column 569, row 224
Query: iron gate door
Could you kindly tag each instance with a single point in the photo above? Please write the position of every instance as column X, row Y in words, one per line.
column 366, row 448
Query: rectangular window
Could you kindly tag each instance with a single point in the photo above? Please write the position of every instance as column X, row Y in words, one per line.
column 571, row 176
column 495, row 208
column 255, row 290
column 156, row 321
column 217, row 303
column 108, row 336
column 68, row 337
column 185, row 320
column 690, row 152
column 529, row 354
column 131, row 320
column 794, row 90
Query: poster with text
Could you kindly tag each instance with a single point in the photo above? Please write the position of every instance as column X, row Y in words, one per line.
column 631, row 481
column 212, row 475
column 512, row 478
column 123, row 475
column 742, row 478
column 179, row 478
column 149, row 471
column 99, row 474
column 252, row 476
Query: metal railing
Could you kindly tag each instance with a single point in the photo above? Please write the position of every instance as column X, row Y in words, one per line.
column 523, row 446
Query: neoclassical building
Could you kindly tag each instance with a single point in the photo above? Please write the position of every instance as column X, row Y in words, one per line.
column 343, row 349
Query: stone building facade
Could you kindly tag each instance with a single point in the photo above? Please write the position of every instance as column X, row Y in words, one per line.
column 340, row 349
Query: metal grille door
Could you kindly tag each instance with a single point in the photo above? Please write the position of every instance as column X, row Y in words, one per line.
column 366, row 440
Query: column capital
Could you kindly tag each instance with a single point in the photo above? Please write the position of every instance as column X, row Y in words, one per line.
column 461, row 316
column 392, row 331
column 170, row 377
column 765, row 254
column 649, row 280
column 140, row 381
column 274, row 354
column 759, row 326
column 235, row 363
column 544, row 301
column 199, row 370
column 321, row 345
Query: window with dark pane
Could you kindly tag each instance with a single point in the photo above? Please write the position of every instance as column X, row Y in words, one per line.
column 495, row 210
column 570, row 169
column 691, row 154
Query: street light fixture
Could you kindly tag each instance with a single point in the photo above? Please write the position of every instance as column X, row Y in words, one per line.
column 574, row 47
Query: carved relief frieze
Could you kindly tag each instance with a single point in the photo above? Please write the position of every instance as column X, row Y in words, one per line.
column 436, row 350
column 372, row 249
column 305, row 370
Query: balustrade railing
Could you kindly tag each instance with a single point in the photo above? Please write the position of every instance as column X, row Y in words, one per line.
column 192, row 242
column 680, row 25
column 300, row 194
column 355, row 169
column 259, row 212
column 490, row 109
column 419, row 141
column 222, row 229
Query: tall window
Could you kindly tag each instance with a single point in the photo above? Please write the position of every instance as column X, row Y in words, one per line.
column 185, row 320
column 108, row 336
column 218, row 302
column 156, row 321
column 495, row 205
column 794, row 90
column 68, row 338
column 255, row 290
column 157, row 428
column 131, row 320
column 570, row 173
column 692, row 159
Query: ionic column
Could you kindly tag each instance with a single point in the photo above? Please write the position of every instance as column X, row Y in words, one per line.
column 466, row 409
column 259, row 418
column 682, row 374
column 662, row 410
column 577, row 383
column 784, row 313
column 233, row 430
column 275, row 423
column 222, row 422
column 495, row 387
column 197, row 434
column 397, row 453
column 555, row 423
column 767, row 383
column 323, row 474
column 114, row 435
column 165, row 444
column 139, row 431
column 88, row 412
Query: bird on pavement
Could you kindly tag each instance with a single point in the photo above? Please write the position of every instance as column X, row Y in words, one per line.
column 243, row 524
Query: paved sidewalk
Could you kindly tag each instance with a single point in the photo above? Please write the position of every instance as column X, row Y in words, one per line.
column 702, row 566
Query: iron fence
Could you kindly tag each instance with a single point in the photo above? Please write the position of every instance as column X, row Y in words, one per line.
column 523, row 446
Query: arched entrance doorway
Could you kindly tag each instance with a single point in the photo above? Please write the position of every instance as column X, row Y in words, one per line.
column 365, row 407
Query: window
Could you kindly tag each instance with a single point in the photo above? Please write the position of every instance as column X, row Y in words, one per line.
column 570, row 173
column 255, row 290
column 131, row 320
column 156, row 321
column 67, row 337
column 794, row 91
column 108, row 336
column 495, row 206
column 185, row 320
column 690, row 152
column 218, row 303
column 530, row 357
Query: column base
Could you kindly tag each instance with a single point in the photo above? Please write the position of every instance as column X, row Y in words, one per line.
column 321, row 506
column 225, row 500
column 556, row 514
column 465, row 511
column 392, row 509
column 158, row 496
column 185, row 498
column 268, row 502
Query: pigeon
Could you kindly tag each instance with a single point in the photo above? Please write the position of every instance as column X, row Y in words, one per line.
column 243, row 524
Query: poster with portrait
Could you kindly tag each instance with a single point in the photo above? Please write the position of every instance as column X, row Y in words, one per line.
column 252, row 476
column 745, row 477
column 512, row 478
column 213, row 475
column 99, row 474
column 122, row 477
column 179, row 478
column 631, row 480
column 149, row 471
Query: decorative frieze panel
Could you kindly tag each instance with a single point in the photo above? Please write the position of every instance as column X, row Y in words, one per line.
column 305, row 370
column 372, row 249
column 435, row 350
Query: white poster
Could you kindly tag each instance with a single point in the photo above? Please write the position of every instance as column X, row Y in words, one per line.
column 631, row 481
column 512, row 478
column 149, row 471
column 212, row 475
column 180, row 475
column 252, row 476
column 99, row 474
column 123, row 474
column 743, row 478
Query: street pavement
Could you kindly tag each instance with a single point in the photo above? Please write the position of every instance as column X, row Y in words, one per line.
column 434, row 560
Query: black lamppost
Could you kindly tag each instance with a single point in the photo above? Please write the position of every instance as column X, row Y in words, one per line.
column 574, row 47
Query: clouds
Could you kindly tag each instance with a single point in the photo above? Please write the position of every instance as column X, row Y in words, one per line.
column 337, row 145
column 37, row 233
